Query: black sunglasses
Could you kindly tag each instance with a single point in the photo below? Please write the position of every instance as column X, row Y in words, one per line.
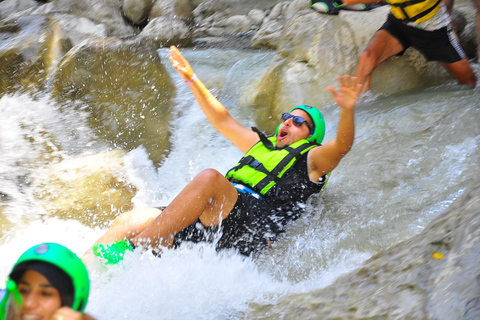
column 297, row 120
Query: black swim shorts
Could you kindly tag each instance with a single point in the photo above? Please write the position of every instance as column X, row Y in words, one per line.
column 438, row 45
column 249, row 227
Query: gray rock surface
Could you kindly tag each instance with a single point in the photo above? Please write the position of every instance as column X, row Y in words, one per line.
column 434, row 275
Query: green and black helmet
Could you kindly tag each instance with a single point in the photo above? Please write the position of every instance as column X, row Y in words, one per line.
column 63, row 269
column 318, row 121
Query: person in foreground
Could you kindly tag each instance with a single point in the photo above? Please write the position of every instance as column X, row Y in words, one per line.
column 424, row 25
column 47, row 282
column 249, row 206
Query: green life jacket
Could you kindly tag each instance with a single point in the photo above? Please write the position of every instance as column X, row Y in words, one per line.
column 261, row 167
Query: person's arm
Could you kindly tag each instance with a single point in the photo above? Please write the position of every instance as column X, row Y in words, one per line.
column 216, row 113
column 353, row 2
column 324, row 159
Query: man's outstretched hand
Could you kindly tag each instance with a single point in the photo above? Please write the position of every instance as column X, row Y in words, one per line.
column 347, row 95
column 180, row 64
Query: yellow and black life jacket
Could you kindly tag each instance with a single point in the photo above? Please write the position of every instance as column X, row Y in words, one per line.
column 414, row 10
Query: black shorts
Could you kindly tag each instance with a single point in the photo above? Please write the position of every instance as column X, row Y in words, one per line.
column 249, row 227
column 438, row 45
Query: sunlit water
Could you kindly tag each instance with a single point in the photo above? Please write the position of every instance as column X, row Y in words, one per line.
column 414, row 154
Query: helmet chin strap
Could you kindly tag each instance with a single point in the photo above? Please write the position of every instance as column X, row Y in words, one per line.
column 12, row 288
column 267, row 143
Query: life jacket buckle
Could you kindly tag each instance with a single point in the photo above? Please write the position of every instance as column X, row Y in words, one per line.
column 255, row 164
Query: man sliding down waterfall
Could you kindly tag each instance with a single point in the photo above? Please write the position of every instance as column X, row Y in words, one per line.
column 252, row 204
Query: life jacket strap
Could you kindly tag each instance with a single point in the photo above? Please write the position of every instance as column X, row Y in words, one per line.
column 267, row 143
column 244, row 189
column 274, row 175
column 403, row 5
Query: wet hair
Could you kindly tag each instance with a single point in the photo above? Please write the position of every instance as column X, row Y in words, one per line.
column 56, row 276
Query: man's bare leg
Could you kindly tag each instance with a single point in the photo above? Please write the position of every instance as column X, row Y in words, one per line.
column 381, row 47
column 462, row 71
column 209, row 197
column 126, row 225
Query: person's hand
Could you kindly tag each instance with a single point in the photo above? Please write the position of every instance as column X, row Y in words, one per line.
column 348, row 93
column 180, row 64
column 66, row 313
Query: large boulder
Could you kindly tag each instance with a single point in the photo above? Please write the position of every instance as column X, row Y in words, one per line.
column 76, row 28
column 434, row 275
column 136, row 11
column 91, row 189
column 29, row 48
column 179, row 9
column 166, row 31
column 106, row 12
column 124, row 86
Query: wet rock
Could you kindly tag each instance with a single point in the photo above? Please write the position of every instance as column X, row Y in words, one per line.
column 106, row 12
column 92, row 189
column 166, row 31
column 136, row 10
column 268, row 36
column 226, row 17
column 238, row 24
column 10, row 7
column 256, row 16
column 178, row 9
column 29, row 48
column 124, row 86
column 434, row 275
column 77, row 29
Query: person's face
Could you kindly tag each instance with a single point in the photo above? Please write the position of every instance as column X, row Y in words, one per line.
column 289, row 133
column 40, row 299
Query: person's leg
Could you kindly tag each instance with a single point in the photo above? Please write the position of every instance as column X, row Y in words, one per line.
column 381, row 47
column 129, row 224
column 209, row 197
column 126, row 225
column 449, row 5
column 462, row 71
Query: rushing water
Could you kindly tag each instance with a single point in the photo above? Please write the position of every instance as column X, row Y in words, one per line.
column 414, row 153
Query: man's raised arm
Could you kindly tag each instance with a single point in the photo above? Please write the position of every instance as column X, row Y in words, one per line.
column 242, row 137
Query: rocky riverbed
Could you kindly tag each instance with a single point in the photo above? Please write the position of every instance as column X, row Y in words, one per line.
column 102, row 56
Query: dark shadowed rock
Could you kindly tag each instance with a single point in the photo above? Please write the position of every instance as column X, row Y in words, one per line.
column 136, row 10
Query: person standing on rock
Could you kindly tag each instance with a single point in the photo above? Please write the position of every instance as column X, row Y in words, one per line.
column 253, row 203
column 424, row 25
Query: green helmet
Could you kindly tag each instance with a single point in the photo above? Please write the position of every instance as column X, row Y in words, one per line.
column 318, row 121
column 61, row 258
